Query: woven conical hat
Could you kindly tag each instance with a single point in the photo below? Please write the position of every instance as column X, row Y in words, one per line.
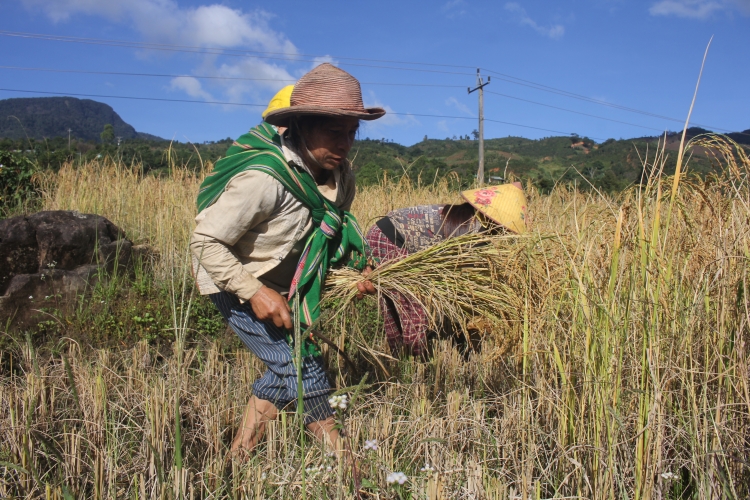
column 504, row 204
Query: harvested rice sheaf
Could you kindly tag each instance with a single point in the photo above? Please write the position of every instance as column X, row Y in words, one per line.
column 475, row 282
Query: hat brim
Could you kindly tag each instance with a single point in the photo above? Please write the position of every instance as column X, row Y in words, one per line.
column 512, row 226
column 483, row 211
column 281, row 117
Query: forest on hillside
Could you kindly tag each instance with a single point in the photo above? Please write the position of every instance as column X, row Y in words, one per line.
column 609, row 166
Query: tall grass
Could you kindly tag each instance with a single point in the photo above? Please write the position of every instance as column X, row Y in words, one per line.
column 629, row 375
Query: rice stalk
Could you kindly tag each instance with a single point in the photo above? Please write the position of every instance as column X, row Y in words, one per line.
column 463, row 280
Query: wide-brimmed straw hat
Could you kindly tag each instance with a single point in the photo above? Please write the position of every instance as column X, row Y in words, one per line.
column 281, row 100
column 327, row 91
column 504, row 204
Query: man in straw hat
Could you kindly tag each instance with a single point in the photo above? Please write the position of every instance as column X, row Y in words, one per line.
column 273, row 216
column 404, row 231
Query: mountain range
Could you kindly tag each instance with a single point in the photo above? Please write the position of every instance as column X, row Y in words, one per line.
column 48, row 117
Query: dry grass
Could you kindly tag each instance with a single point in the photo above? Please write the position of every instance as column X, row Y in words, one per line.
column 468, row 280
column 631, row 362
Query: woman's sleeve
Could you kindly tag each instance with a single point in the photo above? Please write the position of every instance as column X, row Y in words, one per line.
column 249, row 198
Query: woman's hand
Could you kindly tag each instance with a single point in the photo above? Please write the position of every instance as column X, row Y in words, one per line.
column 365, row 287
column 270, row 306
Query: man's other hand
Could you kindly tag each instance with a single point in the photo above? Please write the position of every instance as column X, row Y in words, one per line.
column 270, row 306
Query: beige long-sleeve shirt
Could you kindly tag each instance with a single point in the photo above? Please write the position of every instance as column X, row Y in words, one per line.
column 254, row 233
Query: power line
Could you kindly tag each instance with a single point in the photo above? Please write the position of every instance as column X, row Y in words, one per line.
column 238, row 78
column 264, row 105
column 210, row 51
column 296, row 57
column 573, row 111
column 289, row 55
column 565, row 93
column 134, row 98
column 232, row 78
column 208, row 77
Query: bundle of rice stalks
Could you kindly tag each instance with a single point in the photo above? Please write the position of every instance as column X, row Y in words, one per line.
column 464, row 280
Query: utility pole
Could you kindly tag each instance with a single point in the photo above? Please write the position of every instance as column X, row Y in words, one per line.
column 118, row 149
column 480, row 88
column 69, row 131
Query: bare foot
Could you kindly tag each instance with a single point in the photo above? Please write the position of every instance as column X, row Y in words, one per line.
column 257, row 413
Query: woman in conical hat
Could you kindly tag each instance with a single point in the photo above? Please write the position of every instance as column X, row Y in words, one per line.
column 273, row 216
column 407, row 230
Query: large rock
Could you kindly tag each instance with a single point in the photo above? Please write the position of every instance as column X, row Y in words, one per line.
column 55, row 254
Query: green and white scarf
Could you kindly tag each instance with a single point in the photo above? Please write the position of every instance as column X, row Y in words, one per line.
column 336, row 238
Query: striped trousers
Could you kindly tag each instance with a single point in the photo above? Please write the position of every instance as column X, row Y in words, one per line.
column 268, row 342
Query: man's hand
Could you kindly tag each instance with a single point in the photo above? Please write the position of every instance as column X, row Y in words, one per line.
column 365, row 287
column 269, row 306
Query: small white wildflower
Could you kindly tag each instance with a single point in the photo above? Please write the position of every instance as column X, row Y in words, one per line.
column 329, row 468
column 371, row 444
column 31, row 296
column 669, row 476
column 263, row 476
column 46, row 297
column 427, row 468
column 396, row 477
column 341, row 401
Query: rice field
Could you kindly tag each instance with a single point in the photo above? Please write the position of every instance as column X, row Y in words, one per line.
column 617, row 365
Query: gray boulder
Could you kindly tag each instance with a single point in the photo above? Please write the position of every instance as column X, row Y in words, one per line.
column 54, row 255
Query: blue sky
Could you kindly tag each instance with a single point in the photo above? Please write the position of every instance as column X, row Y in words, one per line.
column 412, row 57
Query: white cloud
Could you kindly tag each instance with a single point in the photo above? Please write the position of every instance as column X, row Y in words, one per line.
column 555, row 31
column 454, row 8
column 164, row 20
column 270, row 77
column 191, row 86
column 214, row 25
column 697, row 9
column 389, row 120
column 743, row 6
column 452, row 101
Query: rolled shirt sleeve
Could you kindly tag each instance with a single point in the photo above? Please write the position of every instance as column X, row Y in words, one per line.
column 248, row 200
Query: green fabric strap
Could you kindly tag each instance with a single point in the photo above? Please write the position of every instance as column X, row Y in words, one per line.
column 336, row 238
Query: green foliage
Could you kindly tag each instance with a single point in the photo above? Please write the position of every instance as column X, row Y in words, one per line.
column 609, row 167
column 108, row 133
column 17, row 187
column 121, row 309
column 150, row 155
